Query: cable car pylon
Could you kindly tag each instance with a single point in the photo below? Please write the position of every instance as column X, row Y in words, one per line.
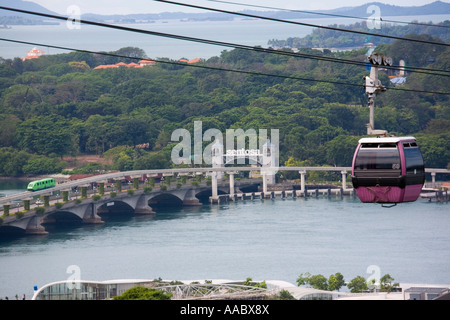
column 373, row 87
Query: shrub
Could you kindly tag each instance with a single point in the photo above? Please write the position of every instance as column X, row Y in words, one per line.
column 39, row 210
column 147, row 190
column 143, row 293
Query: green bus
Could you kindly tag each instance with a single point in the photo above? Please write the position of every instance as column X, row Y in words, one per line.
column 41, row 184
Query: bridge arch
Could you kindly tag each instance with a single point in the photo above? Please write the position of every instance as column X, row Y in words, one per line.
column 204, row 194
column 11, row 230
column 62, row 217
column 165, row 200
column 115, row 206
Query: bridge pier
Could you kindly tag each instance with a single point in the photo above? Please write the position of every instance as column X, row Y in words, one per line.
column 26, row 204
column 46, row 198
column 214, row 197
column 231, row 174
column 190, row 199
column 302, row 182
column 6, row 207
column 34, row 227
column 344, row 179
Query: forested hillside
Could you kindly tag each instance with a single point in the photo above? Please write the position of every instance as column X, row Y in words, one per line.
column 327, row 38
column 58, row 105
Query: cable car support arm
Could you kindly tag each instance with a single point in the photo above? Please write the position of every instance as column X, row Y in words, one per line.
column 373, row 87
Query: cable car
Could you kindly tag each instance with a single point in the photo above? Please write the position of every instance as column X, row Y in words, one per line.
column 388, row 170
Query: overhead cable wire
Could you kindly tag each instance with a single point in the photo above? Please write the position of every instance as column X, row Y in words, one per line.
column 227, row 44
column 303, row 23
column 200, row 66
column 329, row 14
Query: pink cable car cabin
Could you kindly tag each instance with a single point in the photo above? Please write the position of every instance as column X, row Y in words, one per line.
column 388, row 170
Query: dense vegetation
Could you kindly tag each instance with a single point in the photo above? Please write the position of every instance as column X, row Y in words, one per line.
column 58, row 105
column 143, row 293
column 327, row 38
column 356, row 285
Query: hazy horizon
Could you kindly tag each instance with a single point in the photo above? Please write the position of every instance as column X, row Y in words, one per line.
column 107, row 7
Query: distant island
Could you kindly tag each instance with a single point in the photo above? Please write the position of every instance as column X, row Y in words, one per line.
column 13, row 18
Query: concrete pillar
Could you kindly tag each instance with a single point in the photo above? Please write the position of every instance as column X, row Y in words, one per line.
column 6, row 209
column 91, row 216
column 263, row 172
column 433, row 178
column 136, row 183
column 26, row 204
column 344, row 179
column 118, row 184
column 84, row 192
column 46, row 200
column 214, row 191
column 302, row 180
column 231, row 174
column 65, row 195
column 101, row 188
column 35, row 227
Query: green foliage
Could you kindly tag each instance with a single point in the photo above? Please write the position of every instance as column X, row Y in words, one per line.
column 285, row 295
column 39, row 210
column 43, row 165
column 326, row 38
column 249, row 282
column 59, row 105
column 386, row 283
column 148, row 189
column 143, row 293
column 358, row 284
column 320, row 282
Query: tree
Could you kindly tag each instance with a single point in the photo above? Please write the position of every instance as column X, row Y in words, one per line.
column 143, row 293
column 303, row 279
column 43, row 165
column 319, row 282
column 336, row 281
column 12, row 161
column 45, row 135
column 8, row 124
column 152, row 161
column 357, row 285
column 386, row 283
column 341, row 149
column 249, row 282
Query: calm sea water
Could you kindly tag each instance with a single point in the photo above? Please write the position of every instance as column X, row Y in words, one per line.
column 266, row 240
column 247, row 32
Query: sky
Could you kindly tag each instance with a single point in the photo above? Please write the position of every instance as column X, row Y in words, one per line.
column 149, row 6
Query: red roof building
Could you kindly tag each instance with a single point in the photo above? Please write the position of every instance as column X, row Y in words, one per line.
column 117, row 65
column 146, row 62
column 33, row 54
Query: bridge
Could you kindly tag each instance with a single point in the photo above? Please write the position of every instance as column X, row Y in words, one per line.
column 59, row 204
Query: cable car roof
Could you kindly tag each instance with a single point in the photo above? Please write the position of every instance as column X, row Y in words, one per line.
column 386, row 139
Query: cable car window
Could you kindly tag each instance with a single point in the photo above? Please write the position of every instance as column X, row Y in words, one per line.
column 376, row 159
column 414, row 160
